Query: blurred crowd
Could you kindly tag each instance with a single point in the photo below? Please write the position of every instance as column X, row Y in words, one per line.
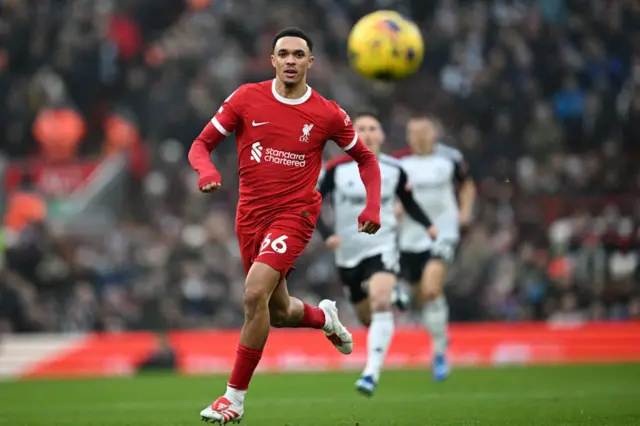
column 541, row 96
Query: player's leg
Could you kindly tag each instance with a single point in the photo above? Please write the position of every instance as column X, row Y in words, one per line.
column 289, row 312
column 411, row 269
column 363, row 312
column 435, row 310
column 355, row 288
column 261, row 281
column 381, row 329
column 284, row 242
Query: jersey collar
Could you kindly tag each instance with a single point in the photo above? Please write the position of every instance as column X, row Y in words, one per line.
column 304, row 98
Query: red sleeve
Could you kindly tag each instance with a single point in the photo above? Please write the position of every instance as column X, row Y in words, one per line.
column 347, row 138
column 220, row 126
column 230, row 113
column 343, row 132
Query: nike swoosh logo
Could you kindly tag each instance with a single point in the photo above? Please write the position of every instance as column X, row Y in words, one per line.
column 254, row 124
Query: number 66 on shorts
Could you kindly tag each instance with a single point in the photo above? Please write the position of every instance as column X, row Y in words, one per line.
column 278, row 246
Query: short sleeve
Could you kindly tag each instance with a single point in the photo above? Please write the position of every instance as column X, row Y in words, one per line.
column 228, row 116
column 460, row 167
column 343, row 132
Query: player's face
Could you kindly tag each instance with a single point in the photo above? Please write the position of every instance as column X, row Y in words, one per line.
column 421, row 135
column 291, row 58
column 370, row 132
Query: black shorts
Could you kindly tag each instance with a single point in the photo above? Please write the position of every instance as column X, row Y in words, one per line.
column 354, row 279
column 412, row 265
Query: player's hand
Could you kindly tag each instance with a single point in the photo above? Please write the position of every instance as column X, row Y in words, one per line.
column 369, row 220
column 333, row 242
column 368, row 227
column 433, row 232
column 210, row 182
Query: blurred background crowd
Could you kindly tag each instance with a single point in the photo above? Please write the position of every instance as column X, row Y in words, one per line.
column 541, row 96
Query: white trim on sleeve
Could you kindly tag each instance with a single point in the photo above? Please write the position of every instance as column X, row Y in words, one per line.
column 352, row 144
column 219, row 127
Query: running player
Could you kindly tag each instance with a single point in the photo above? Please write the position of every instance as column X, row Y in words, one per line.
column 433, row 169
column 368, row 264
column 281, row 128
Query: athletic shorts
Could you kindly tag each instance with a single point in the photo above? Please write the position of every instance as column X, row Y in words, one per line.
column 354, row 280
column 278, row 244
column 412, row 264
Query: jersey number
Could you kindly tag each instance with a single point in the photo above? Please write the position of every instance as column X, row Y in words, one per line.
column 278, row 245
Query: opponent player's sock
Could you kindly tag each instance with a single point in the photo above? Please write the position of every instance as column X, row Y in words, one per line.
column 247, row 360
column 378, row 341
column 312, row 317
column 435, row 317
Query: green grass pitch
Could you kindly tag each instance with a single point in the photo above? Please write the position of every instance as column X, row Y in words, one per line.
column 531, row 396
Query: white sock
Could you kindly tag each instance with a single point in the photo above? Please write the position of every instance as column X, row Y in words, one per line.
column 235, row 396
column 435, row 317
column 378, row 341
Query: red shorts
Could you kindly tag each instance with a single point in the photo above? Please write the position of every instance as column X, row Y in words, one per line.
column 278, row 244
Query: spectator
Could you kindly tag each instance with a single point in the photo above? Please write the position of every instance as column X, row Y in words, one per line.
column 542, row 98
column 543, row 136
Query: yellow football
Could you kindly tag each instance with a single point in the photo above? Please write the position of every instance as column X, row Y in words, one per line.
column 385, row 45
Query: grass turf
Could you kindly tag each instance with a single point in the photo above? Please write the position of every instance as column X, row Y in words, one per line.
column 532, row 396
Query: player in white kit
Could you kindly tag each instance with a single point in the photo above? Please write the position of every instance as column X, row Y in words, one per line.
column 369, row 265
column 433, row 169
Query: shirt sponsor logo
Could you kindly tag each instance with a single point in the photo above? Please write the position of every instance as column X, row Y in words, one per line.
column 271, row 155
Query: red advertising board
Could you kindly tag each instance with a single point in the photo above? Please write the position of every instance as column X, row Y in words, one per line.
column 200, row 352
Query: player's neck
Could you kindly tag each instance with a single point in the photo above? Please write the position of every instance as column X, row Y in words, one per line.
column 424, row 152
column 291, row 92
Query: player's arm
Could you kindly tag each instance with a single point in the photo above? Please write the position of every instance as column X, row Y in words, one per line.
column 467, row 190
column 220, row 126
column 326, row 187
column 346, row 137
column 409, row 203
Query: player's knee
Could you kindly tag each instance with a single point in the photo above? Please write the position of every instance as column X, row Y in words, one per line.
column 433, row 279
column 431, row 292
column 380, row 302
column 381, row 292
column 261, row 281
column 255, row 299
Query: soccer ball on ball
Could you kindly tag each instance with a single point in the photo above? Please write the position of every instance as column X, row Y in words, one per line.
column 385, row 45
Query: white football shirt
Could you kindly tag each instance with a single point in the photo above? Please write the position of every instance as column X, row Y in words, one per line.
column 432, row 179
column 343, row 183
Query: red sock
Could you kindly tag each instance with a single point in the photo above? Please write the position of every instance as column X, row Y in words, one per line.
column 312, row 317
column 247, row 360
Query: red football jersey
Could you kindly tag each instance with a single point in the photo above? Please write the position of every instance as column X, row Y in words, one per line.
column 280, row 143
